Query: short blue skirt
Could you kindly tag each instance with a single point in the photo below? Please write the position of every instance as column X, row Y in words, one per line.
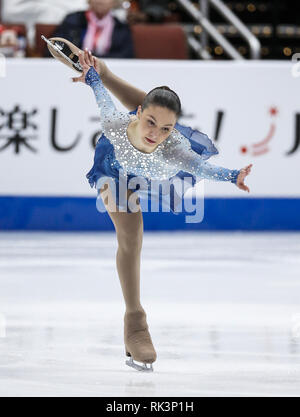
column 106, row 165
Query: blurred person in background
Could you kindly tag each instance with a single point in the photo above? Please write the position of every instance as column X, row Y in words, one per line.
column 98, row 30
column 31, row 12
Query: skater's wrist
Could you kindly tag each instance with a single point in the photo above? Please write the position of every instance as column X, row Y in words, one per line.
column 92, row 77
column 102, row 69
column 234, row 175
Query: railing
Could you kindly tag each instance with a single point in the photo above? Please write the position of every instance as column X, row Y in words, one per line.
column 201, row 17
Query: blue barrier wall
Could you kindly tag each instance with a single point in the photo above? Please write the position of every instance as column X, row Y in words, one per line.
column 80, row 214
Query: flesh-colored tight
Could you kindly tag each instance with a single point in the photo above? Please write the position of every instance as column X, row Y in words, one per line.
column 129, row 229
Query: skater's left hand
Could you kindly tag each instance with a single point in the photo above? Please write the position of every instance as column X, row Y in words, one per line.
column 87, row 61
column 240, row 179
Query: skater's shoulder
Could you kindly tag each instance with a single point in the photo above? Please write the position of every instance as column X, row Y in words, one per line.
column 176, row 141
column 116, row 122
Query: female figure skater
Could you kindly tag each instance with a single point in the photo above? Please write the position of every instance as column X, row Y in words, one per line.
column 150, row 146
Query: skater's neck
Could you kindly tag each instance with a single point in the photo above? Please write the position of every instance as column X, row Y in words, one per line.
column 135, row 139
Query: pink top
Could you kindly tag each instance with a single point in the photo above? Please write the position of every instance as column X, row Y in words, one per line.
column 98, row 37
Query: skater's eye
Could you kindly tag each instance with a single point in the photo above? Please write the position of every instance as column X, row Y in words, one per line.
column 166, row 129
column 151, row 123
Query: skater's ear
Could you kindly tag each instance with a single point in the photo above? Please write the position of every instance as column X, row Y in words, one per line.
column 139, row 111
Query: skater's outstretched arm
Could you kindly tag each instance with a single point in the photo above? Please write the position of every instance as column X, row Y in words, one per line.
column 187, row 160
column 108, row 112
column 131, row 97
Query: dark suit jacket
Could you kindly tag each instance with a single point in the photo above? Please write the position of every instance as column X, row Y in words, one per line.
column 74, row 27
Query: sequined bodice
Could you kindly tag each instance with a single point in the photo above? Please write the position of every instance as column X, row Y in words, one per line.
column 170, row 157
column 149, row 165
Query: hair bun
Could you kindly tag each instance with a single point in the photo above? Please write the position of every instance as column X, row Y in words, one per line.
column 165, row 87
column 171, row 101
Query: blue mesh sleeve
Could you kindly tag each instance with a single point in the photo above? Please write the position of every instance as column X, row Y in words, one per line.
column 103, row 98
column 189, row 161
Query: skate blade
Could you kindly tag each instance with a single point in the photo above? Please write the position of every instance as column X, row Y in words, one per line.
column 58, row 47
column 142, row 368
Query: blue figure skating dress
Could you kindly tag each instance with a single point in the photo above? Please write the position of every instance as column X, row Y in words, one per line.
column 181, row 158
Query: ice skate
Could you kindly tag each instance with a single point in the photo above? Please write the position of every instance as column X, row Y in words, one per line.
column 65, row 51
column 138, row 343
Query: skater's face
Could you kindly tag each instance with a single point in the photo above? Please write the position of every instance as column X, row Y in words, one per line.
column 155, row 124
column 101, row 7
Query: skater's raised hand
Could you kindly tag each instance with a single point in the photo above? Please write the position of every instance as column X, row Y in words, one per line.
column 241, row 177
column 87, row 61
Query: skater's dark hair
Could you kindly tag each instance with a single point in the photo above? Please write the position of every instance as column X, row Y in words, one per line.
column 165, row 97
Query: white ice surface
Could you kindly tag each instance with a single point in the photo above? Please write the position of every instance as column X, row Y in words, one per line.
column 223, row 310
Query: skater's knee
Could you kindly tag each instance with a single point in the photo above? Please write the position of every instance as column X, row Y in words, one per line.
column 130, row 242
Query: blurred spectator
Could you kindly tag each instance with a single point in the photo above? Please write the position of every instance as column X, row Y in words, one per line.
column 12, row 38
column 30, row 12
column 13, row 41
column 98, row 30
